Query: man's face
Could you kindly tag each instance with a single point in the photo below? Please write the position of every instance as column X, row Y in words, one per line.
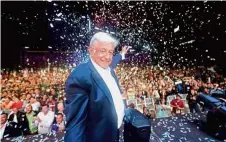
column 36, row 91
column 59, row 119
column 7, row 100
column 45, row 109
column 60, row 107
column 178, row 97
column 15, row 110
column 31, row 100
column 102, row 53
column 28, row 109
column 3, row 118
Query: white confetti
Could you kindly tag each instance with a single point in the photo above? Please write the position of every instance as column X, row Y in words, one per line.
column 176, row 29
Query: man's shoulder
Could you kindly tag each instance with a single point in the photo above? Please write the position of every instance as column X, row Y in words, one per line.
column 21, row 114
column 80, row 75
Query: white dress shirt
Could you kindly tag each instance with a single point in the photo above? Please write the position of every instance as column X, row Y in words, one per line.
column 15, row 118
column 114, row 90
column 46, row 121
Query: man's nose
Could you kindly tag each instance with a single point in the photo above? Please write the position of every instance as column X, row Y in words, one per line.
column 108, row 56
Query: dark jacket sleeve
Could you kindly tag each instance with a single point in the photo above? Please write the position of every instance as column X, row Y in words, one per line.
column 24, row 123
column 75, row 109
column 116, row 59
column 12, row 130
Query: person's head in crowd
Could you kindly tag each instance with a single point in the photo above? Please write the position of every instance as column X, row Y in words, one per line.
column 28, row 108
column 45, row 108
column 15, row 99
column 158, row 102
column 37, row 98
column 61, row 99
column 145, row 110
column 16, row 88
column 23, row 96
column 101, row 49
column 192, row 91
column 206, row 90
column 4, row 94
column 131, row 105
column 8, row 99
column 27, row 82
column 50, row 98
column 60, row 107
column 4, row 118
column 139, row 93
column 15, row 109
column 52, row 92
column 178, row 97
column 32, row 100
column 37, row 91
column 31, row 91
column 59, row 118
column 43, row 89
column 44, row 97
column 17, row 94
column 28, row 96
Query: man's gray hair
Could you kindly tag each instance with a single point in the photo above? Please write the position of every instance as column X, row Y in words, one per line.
column 103, row 37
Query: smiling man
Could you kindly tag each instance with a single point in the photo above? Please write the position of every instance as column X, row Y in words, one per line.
column 94, row 107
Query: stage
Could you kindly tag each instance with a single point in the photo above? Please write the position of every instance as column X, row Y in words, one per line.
column 184, row 128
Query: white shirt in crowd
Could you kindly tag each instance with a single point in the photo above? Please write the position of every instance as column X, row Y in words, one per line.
column 46, row 121
column 2, row 130
column 36, row 106
column 114, row 89
column 15, row 118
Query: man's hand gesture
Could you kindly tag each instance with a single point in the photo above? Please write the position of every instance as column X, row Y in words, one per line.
column 125, row 49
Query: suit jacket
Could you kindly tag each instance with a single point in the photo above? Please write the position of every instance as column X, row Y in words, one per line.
column 89, row 108
column 12, row 130
column 22, row 121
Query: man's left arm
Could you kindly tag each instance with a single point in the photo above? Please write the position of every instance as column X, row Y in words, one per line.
column 117, row 58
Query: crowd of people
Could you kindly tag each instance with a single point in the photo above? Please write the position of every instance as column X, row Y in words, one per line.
column 159, row 83
column 32, row 101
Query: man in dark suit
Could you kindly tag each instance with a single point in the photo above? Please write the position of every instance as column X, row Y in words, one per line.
column 94, row 107
column 21, row 119
column 8, row 129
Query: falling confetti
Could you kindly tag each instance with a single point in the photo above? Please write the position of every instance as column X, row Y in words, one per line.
column 176, row 29
column 163, row 31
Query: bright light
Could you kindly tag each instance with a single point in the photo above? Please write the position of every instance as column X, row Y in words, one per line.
column 49, row 47
column 26, row 47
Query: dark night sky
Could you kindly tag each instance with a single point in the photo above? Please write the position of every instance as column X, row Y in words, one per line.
column 135, row 23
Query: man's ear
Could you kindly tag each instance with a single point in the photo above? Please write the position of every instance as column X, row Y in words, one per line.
column 91, row 50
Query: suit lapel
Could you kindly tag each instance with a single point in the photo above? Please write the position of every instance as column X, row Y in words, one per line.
column 100, row 82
